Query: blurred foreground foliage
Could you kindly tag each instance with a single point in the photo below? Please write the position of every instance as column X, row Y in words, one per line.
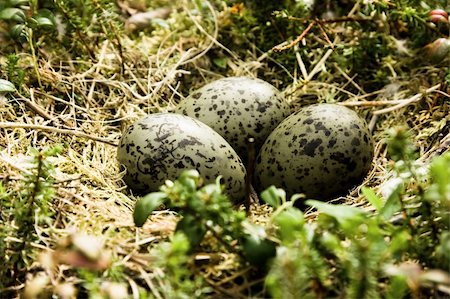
column 397, row 251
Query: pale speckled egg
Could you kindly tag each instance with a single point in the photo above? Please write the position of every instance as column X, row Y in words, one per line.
column 322, row 151
column 161, row 145
column 237, row 108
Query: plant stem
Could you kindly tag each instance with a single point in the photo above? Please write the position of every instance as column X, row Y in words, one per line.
column 33, row 55
column 24, row 231
column 34, row 192
column 249, row 176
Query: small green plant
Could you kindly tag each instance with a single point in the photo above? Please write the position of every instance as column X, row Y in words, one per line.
column 16, row 75
column 27, row 23
column 388, row 32
column 208, row 222
column 21, row 211
column 177, row 278
column 202, row 209
column 206, row 210
column 25, row 18
column 352, row 253
column 99, row 17
column 34, row 24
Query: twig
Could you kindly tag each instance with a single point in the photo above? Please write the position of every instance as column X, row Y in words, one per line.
column 282, row 47
column 330, row 21
column 373, row 122
column 367, row 95
column 301, row 64
column 348, row 78
column 371, row 103
column 134, row 288
column 443, row 93
column 11, row 125
column 319, row 65
column 325, row 35
column 406, row 102
column 36, row 108
column 327, row 85
column 443, row 146
column 31, row 103
column 62, row 101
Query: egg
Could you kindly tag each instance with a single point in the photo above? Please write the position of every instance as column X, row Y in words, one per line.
column 322, row 150
column 160, row 146
column 237, row 108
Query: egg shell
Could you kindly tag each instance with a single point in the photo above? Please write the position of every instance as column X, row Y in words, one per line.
column 321, row 150
column 161, row 146
column 237, row 108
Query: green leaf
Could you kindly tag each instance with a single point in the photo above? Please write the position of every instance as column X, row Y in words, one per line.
column 191, row 174
column 346, row 216
column 372, row 197
column 393, row 204
column 12, row 13
column 290, row 222
column 189, row 179
column 257, row 248
column 17, row 31
column 258, row 253
column 215, row 188
column 220, row 62
column 44, row 22
column 6, row 86
column 210, row 189
column 46, row 19
column 146, row 205
column 440, row 174
column 274, row 196
column 296, row 197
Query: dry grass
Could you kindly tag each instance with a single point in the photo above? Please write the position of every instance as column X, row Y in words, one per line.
column 100, row 101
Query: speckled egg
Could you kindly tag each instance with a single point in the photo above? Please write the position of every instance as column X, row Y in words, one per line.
column 237, row 108
column 160, row 146
column 321, row 150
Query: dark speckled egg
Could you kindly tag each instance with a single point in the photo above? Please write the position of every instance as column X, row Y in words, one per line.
column 237, row 108
column 321, row 150
column 160, row 146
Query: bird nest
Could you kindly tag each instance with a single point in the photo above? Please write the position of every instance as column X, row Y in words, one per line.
column 85, row 104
